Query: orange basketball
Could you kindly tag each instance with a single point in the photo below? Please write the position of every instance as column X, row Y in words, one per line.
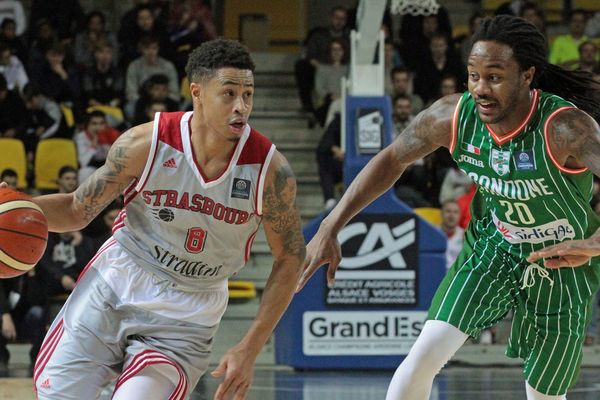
column 23, row 233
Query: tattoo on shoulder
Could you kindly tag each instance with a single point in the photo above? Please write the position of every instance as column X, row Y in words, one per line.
column 575, row 135
column 279, row 199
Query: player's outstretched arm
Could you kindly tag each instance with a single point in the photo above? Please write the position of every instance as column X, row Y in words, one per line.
column 124, row 163
column 283, row 230
column 427, row 132
column 575, row 142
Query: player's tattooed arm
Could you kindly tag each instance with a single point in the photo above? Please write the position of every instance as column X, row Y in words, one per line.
column 575, row 143
column 124, row 163
column 281, row 216
column 575, row 140
column 284, row 235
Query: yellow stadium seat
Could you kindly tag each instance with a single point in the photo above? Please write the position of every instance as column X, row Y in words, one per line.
column 12, row 155
column 50, row 156
column 430, row 214
column 589, row 5
column 241, row 290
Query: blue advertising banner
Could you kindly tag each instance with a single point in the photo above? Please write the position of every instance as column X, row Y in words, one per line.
column 393, row 261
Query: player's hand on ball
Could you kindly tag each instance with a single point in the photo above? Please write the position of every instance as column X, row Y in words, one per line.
column 570, row 253
column 236, row 368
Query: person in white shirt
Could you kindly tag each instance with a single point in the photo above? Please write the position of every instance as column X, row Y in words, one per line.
column 454, row 233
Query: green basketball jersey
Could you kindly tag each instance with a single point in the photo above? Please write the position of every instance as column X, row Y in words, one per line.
column 525, row 200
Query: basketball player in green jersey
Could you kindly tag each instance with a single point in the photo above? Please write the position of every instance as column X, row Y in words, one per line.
column 526, row 135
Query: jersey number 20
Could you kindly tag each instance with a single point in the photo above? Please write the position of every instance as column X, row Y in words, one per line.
column 194, row 242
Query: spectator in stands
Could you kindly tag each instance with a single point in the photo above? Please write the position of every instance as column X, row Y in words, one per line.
column 465, row 41
column 145, row 26
column 65, row 16
column 9, row 176
column 13, row 10
column 12, row 111
column 402, row 86
column 156, row 88
column 94, row 34
column 441, row 60
column 588, row 57
column 534, row 13
column 23, row 309
column 330, row 159
column 454, row 233
column 93, row 143
column 455, row 184
column 103, row 223
column 317, row 51
column 103, row 84
column 143, row 68
column 416, row 32
column 12, row 69
column 328, row 77
column 44, row 119
column 67, row 179
column 43, row 37
column 190, row 24
column 565, row 48
column 8, row 35
column 65, row 257
column 153, row 107
column 402, row 113
column 392, row 59
column 58, row 79
column 592, row 27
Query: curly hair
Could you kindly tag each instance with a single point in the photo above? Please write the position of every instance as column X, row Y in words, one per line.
column 205, row 60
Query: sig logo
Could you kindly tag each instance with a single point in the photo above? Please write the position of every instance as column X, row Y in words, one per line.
column 376, row 243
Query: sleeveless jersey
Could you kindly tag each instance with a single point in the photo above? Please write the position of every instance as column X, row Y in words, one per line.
column 525, row 199
column 183, row 227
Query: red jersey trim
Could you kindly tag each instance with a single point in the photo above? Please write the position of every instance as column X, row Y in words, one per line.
column 169, row 129
column 454, row 131
column 500, row 140
column 151, row 154
column 562, row 168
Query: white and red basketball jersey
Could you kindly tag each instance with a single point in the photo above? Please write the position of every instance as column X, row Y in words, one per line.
column 186, row 228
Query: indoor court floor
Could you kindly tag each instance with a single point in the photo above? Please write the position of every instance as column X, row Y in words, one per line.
column 454, row 383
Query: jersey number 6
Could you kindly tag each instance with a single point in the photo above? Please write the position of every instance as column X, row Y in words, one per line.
column 194, row 242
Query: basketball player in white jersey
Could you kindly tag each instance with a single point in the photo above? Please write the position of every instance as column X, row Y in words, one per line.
column 196, row 186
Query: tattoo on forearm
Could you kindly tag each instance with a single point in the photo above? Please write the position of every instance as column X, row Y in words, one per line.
column 282, row 215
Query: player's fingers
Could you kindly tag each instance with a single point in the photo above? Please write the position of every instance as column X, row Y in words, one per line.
column 220, row 370
column 571, row 261
column 310, row 267
column 3, row 185
column 242, row 389
column 223, row 388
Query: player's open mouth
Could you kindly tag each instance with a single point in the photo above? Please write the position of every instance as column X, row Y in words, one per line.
column 485, row 106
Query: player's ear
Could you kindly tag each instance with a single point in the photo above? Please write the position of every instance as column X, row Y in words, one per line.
column 528, row 75
column 195, row 90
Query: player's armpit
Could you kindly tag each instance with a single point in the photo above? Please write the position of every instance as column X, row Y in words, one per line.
column 429, row 130
column 574, row 139
column 280, row 213
column 124, row 163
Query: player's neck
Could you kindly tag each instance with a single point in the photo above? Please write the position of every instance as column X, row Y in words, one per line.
column 212, row 151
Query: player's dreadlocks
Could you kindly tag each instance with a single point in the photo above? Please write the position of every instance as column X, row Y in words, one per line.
column 530, row 49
